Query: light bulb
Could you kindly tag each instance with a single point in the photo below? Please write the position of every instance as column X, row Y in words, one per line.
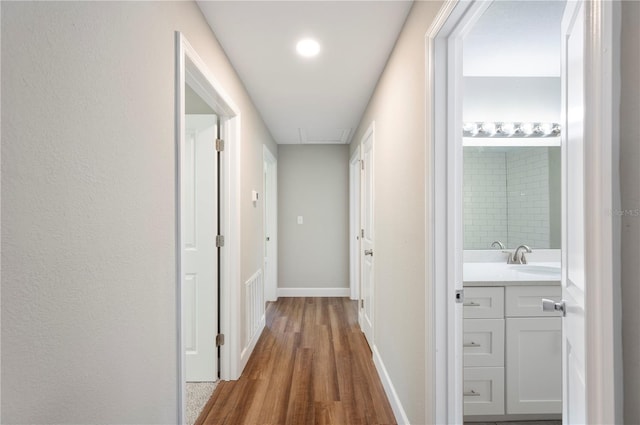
column 526, row 128
column 488, row 128
column 507, row 129
column 469, row 129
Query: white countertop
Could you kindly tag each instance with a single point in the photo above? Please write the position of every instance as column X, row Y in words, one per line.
column 503, row 274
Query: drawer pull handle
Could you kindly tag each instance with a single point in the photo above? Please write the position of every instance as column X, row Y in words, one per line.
column 471, row 393
column 471, row 304
column 473, row 344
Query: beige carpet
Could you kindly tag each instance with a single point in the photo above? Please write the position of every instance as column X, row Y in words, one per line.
column 198, row 393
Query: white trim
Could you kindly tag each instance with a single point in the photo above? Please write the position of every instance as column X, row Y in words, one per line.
column 313, row 292
column 354, row 223
column 271, row 292
column 389, row 389
column 602, row 344
column 192, row 69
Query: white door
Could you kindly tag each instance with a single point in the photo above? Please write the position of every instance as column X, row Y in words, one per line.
column 270, row 227
column 573, row 216
column 367, row 238
column 354, row 224
column 199, row 222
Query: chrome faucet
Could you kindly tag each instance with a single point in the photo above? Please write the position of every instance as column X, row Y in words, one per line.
column 500, row 245
column 518, row 257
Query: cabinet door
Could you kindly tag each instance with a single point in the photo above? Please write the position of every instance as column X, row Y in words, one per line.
column 534, row 365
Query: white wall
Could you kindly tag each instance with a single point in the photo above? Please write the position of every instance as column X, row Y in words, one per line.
column 88, row 212
column 516, row 99
column 630, row 191
column 398, row 108
column 313, row 182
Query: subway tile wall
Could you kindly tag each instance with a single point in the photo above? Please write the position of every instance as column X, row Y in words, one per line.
column 485, row 198
column 506, row 197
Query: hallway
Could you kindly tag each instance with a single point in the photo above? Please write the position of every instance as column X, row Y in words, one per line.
column 311, row 365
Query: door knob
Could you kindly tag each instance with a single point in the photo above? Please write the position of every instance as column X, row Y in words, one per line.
column 551, row 305
column 268, row 238
column 368, row 252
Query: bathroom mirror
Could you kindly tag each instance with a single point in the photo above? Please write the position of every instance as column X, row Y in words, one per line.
column 512, row 195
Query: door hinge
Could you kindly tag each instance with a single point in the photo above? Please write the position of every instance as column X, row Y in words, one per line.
column 362, row 163
column 219, row 340
column 362, row 233
column 459, row 296
column 219, row 145
column 219, row 241
column 362, row 303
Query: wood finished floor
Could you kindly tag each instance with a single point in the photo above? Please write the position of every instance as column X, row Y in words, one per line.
column 311, row 365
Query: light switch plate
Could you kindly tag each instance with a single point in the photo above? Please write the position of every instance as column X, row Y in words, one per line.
column 300, row 219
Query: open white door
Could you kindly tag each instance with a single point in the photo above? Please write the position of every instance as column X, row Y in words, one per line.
column 354, row 224
column 589, row 342
column 573, row 261
column 367, row 237
column 199, row 212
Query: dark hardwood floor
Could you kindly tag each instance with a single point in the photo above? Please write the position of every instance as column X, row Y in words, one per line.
column 311, row 365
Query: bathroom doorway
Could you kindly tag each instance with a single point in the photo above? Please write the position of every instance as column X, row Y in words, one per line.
column 516, row 310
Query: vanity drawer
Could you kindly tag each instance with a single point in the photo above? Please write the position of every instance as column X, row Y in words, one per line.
column 483, row 391
column 526, row 301
column 483, row 342
column 483, row 303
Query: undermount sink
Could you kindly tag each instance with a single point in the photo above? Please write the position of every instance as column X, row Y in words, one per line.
column 536, row 269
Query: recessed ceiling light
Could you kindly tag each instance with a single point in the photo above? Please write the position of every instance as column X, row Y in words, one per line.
column 308, row 47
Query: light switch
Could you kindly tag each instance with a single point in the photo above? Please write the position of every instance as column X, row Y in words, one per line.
column 299, row 219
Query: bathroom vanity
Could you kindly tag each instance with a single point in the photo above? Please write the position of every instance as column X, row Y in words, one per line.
column 512, row 348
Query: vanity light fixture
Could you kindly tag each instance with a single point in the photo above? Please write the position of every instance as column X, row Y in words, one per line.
column 308, row 47
column 510, row 129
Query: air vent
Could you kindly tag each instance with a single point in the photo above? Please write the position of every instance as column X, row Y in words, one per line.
column 324, row 136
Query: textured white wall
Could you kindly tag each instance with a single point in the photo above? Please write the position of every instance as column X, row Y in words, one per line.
column 630, row 191
column 88, row 212
column 398, row 108
column 313, row 182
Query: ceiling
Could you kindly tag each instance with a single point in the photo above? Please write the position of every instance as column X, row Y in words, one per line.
column 515, row 39
column 308, row 100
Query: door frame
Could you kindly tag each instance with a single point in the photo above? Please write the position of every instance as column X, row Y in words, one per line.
column 189, row 67
column 354, row 223
column 370, row 132
column 443, row 244
column 271, row 181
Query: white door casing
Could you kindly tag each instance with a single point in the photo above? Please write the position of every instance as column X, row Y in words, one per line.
column 200, row 256
column 270, row 198
column 367, row 236
column 191, row 69
column 354, row 223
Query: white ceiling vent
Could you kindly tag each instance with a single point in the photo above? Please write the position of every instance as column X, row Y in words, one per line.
column 324, row 136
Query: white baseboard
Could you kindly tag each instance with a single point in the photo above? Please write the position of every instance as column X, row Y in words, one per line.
column 246, row 351
column 389, row 389
column 314, row 292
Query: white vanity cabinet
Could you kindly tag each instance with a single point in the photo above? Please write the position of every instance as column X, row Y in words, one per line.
column 533, row 351
column 512, row 351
